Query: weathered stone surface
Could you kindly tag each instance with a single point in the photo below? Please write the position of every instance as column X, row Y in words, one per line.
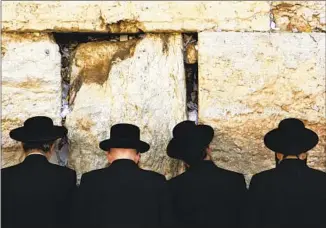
column 133, row 16
column 249, row 82
column 191, row 54
column 302, row 16
column 31, row 85
column 140, row 81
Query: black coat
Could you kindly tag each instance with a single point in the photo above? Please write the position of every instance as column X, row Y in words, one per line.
column 36, row 193
column 208, row 196
column 291, row 195
column 122, row 196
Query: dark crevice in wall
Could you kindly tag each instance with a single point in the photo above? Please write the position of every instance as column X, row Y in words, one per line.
column 191, row 69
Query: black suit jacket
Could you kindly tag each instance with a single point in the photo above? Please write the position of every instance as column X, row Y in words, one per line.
column 122, row 196
column 291, row 195
column 208, row 196
column 36, row 193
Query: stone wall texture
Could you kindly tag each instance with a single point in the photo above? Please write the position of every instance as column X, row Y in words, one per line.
column 258, row 62
column 30, row 84
column 251, row 81
column 133, row 16
column 140, row 81
column 302, row 16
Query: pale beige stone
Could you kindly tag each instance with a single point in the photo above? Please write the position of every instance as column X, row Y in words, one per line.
column 31, row 85
column 137, row 81
column 248, row 82
column 191, row 54
column 302, row 16
column 134, row 16
column 52, row 15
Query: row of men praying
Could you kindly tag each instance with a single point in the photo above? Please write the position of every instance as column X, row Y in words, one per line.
column 39, row 194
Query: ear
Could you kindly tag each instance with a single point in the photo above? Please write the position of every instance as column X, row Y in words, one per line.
column 49, row 154
column 279, row 156
column 209, row 149
column 109, row 156
column 52, row 148
column 137, row 158
column 51, row 151
column 303, row 156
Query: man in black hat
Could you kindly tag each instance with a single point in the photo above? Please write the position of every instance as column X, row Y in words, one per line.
column 37, row 193
column 205, row 195
column 292, row 194
column 123, row 195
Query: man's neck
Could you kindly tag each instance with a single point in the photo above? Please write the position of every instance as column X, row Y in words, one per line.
column 291, row 157
column 208, row 158
column 123, row 158
column 36, row 152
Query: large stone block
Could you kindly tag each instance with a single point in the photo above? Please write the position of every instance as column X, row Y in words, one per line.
column 31, row 85
column 133, row 16
column 140, row 81
column 302, row 16
column 249, row 82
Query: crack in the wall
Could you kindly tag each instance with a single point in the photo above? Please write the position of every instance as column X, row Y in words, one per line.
column 191, row 69
column 313, row 38
column 272, row 24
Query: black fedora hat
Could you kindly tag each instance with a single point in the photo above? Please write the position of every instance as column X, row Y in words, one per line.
column 38, row 129
column 124, row 136
column 291, row 138
column 188, row 139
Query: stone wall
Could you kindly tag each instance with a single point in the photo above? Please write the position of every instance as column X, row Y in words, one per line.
column 31, row 85
column 133, row 16
column 140, row 81
column 247, row 89
column 258, row 62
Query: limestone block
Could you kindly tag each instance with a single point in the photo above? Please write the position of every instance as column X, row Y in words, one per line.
column 51, row 15
column 31, row 85
column 134, row 16
column 248, row 82
column 139, row 81
column 302, row 16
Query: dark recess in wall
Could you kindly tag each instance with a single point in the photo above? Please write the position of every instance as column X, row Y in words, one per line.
column 191, row 70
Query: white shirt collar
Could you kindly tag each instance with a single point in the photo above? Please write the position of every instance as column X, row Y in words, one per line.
column 36, row 153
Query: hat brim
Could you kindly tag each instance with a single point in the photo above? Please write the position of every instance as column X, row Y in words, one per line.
column 279, row 142
column 139, row 145
column 176, row 147
column 21, row 134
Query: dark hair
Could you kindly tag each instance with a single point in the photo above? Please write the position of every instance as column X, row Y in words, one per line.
column 43, row 146
column 194, row 158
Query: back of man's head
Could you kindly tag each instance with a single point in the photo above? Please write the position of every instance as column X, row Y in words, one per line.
column 43, row 147
column 123, row 153
column 194, row 155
